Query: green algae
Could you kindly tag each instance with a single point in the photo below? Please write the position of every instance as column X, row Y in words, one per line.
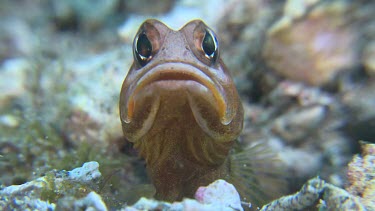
column 39, row 142
column 56, row 188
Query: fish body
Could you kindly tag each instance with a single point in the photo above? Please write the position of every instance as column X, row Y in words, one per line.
column 180, row 107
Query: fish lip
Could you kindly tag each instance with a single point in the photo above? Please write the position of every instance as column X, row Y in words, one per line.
column 176, row 71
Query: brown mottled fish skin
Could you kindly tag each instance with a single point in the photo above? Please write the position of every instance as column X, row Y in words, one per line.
column 180, row 108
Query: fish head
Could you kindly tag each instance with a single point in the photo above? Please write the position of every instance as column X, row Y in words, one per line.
column 178, row 73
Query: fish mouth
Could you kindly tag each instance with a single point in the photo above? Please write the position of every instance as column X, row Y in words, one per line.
column 171, row 72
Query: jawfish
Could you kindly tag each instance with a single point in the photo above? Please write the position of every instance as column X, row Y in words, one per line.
column 180, row 107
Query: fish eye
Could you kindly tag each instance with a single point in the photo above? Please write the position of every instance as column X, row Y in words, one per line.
column 142, row 49
column 210, row 45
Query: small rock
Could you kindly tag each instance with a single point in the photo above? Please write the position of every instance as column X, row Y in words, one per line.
column 43, row 193
column 13, row 76
column 9, row 121
column 88, row 172
column 338, row 199
column 219, row 195
column 147, row 204
column 306, row 95
column 361, row 176
column 296, row 8
column 299, row 123
column 219, row 192
column 307, row 196
column 27, row 204
column 314, row 49
column 89, row 14
column 313, row 192
column 17, row 37
column 91, row 202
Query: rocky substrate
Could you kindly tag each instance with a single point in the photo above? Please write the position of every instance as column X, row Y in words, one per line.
column 77, row 190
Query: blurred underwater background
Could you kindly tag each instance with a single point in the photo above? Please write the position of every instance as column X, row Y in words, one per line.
column 305, row 71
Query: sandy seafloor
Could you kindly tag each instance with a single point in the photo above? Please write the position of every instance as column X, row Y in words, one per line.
column 305, row 71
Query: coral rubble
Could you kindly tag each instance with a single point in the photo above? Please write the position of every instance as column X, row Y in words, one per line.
column 44, row 192
column 361, row 177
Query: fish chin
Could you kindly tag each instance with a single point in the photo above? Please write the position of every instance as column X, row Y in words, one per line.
column 173, row 76
column 177, row 83
column 191, row 96
column 206, row 115
column 145, row 111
